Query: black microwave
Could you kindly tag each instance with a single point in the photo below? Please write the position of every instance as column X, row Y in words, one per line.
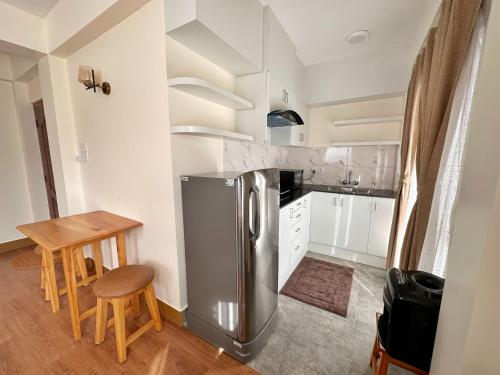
column 291, row 179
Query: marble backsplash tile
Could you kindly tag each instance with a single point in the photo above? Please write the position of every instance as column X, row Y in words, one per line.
column 372, row 166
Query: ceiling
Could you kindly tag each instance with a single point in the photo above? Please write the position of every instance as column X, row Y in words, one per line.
column 38, row 8
column 318, row 28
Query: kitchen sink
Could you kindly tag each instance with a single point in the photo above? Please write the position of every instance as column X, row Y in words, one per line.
column 348, row 190
column 356, row 190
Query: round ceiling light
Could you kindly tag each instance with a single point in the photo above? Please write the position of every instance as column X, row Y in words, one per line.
column 357, row 37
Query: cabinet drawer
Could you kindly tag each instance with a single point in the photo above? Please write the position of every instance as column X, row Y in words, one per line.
column 296, row 216
column 298, row 248
column 297, row 230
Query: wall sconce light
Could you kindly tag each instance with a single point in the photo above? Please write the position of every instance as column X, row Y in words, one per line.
column 87, row 77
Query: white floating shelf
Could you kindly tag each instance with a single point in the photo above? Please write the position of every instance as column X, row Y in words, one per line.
column 209, row 91
column 366, row 143
column 368, row 120
column 204, row 131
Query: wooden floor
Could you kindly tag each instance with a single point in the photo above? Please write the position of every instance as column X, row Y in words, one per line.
column 34, row 340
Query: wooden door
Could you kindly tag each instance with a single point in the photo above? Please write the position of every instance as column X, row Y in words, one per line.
column 43, row 140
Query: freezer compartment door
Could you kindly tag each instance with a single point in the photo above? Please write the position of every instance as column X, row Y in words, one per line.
column 257, row 230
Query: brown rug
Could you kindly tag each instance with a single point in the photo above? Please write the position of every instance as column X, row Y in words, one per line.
column 321, row 284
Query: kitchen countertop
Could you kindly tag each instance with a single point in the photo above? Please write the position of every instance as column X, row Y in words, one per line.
column 307, row 188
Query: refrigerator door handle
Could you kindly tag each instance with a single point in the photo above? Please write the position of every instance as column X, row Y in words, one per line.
column 254, row 214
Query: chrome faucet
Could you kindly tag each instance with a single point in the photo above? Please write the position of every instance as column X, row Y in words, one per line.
column 349, row 180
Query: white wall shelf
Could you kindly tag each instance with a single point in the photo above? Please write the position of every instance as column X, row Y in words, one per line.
column 368, row 120
column 210, row 92
column 366, row 143
column 204, row 131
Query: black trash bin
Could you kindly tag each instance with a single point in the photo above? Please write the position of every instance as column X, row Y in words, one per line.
column 407, row 327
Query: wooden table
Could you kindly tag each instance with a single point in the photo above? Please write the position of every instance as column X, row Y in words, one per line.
column 67, row 234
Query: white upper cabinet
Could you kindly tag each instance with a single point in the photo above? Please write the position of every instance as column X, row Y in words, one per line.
column 300, row 134
column 380, row 226
column 282, row 57
column 281, row 97
column 354, row 223
column 324, row 217
column 229, row 33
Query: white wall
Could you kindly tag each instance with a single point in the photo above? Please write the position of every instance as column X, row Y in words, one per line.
column 191, row 154
column 127, row 133
column 5, row 68
column 31, row 148
column 34, row 90
column 375, row 75
column 481, row 349
column 71, row 24
column 15, row 205
column 468, row 328
column 61, row 132
column 322, row 132
column 22, row 29
column 23, row 69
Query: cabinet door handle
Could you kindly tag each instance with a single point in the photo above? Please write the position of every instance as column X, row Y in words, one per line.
column 299, row 203
column 291, row 213
column 341, row 202
column 334, row 201
column 297, row 247
column 286, row 96
column 375, row 206
column 298, row 216
column 305, row 203
column 297, row 230
column 283, row 96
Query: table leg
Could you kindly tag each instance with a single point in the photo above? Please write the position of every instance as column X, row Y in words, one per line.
column 50, row 279
column 82, row 266
column 43, row 278
column 121, row 249
column 97, row 255
column 70, row 278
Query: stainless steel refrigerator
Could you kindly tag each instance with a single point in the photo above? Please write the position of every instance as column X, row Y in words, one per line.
column 231, row 224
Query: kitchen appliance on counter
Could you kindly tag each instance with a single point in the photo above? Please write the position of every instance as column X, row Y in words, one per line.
column 407, row 327
column 231, row 234
column 290, row 180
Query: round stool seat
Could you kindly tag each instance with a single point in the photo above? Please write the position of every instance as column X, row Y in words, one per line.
column 123, row 281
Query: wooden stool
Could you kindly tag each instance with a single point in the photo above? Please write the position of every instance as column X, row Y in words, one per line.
column 119, row 286
column 385, row 359
column 77, row 257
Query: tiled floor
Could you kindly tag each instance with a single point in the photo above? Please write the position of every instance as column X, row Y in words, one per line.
column 311, row 341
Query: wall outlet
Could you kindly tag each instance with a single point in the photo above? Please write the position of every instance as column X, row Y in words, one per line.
column 83, row 152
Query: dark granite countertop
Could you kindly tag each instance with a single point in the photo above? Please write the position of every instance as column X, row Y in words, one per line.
column 307, row 188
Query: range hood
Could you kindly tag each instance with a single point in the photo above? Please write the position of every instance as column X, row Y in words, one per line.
column 279, row 119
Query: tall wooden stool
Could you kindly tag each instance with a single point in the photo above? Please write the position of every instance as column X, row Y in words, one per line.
column 77, row 257
column 119, row 286
column 385, row 359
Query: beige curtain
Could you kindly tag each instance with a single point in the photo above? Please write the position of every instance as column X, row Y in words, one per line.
column 429, row 100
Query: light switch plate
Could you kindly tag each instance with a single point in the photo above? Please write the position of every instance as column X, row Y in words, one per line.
column 83, row 153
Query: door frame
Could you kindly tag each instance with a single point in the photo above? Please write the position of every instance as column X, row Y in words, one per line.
column 44, row 146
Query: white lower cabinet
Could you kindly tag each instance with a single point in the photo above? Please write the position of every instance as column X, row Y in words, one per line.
column 294, row 236
column 324, row 217
column 354, row 222
column 351, row 226
column 380, row 226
